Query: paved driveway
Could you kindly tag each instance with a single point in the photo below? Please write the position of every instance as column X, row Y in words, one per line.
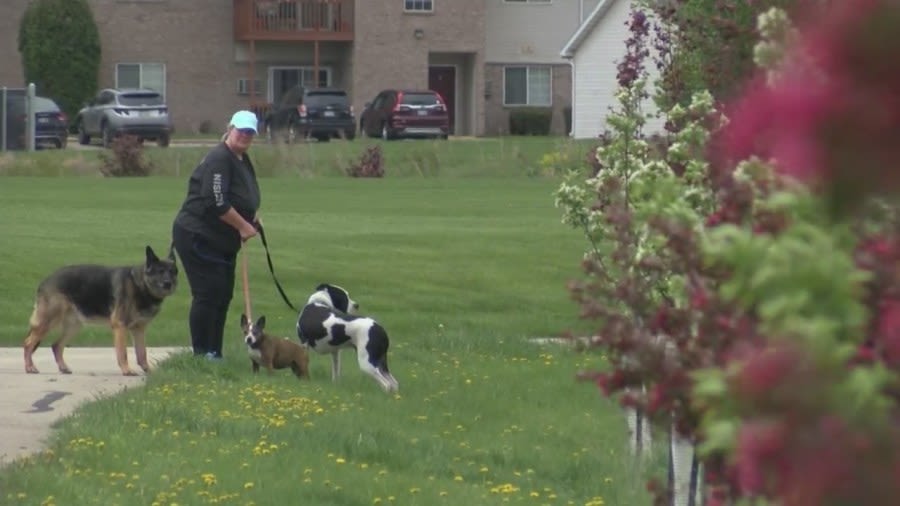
column 30, row 403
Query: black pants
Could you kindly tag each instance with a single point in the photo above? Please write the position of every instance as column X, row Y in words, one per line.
column 210, row 274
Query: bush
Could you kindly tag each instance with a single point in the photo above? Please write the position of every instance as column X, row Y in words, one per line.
column 530, row 121
column 60, row 47
column 125, row 158
column 371, row 164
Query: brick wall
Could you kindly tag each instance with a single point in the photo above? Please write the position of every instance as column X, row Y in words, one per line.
column 193, row 39
column 386, row 53
column 10, row 63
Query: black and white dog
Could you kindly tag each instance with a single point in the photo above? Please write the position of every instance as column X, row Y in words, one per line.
column 328, row 323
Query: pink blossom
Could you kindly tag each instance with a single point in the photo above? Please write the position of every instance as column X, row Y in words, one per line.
column 834, row 122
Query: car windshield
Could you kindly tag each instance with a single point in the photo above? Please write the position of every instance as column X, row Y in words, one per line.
column 325, row 98
column 138, row 99
column 421, row 99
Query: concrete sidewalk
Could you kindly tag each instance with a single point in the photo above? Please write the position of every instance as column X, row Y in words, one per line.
column 30, row 403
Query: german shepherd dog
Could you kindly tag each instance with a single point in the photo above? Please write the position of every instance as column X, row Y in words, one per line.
column 125, row 298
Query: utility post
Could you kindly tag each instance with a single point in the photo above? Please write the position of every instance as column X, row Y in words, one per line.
column 29, row 117
column 3, row 124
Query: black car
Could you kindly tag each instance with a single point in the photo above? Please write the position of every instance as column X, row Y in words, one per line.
column 51, row 123
column 319, row 113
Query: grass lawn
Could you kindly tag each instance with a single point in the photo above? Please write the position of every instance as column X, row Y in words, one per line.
column 461, row 270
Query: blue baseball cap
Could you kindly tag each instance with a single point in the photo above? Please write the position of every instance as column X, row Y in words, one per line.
column 244, row 120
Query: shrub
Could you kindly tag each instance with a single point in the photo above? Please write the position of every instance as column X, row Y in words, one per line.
column 530, row 121
column 371, row 164
column 125, row 158
column 205, row 127
column 60, row 47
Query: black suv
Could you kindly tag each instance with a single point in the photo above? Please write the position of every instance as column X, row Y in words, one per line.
column 320, row 113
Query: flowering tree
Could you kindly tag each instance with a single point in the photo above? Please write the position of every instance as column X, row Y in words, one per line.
column 749, row 280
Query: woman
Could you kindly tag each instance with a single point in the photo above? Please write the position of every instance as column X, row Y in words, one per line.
column 217, row 216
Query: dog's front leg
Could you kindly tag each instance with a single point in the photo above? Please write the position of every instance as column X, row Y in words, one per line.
column 140, row 348
column 120, row 336
column 335, row 365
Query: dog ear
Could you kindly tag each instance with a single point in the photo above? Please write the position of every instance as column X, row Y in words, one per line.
column 243, row 320
column 261, row 323
column 151, row 256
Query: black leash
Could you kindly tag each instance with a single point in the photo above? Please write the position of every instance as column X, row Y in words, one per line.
column 262, row 235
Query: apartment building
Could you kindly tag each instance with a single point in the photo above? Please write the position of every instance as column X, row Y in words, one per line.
column 209, row 57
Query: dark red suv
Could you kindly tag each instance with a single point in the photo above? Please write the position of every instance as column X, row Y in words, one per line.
column 395, row 114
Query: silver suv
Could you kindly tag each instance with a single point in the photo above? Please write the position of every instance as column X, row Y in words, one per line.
column 113, row 112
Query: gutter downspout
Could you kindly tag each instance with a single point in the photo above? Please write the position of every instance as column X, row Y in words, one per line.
column 571, row 60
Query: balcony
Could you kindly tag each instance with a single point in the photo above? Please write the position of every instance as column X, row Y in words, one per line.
column 293, row 20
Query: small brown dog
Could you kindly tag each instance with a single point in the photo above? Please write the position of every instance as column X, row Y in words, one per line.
column 273, row 352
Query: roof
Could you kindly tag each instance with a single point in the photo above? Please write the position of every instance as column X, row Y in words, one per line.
column 568, row 51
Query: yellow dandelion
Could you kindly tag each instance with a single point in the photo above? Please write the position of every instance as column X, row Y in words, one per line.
column 340, row 460
column 209, row 479
column 595, row 501
column 415, row 490
column 534, row 493
column 248, row 485
column 377, row 500
column 457, row 478
column 364, row 466
column 483, row 470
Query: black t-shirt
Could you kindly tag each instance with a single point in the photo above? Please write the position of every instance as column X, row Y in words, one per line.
column 221, row 181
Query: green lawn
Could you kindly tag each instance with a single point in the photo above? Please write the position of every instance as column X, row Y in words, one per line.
column 461, row 270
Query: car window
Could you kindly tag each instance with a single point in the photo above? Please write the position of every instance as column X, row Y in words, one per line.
column 378, row 102
column 139, row 99
column 42, row 104
column 420, row 99
column 326, row 98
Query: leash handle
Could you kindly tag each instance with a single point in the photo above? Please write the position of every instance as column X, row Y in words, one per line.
column 245, row 283
column 262, row 235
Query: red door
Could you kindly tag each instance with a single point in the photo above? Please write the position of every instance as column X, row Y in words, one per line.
column 442, row 79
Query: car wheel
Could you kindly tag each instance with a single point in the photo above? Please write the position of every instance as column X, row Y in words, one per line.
column 323, row 138
column 83, row 138
column 163, row 141
column 349, row 135
column 106, row 135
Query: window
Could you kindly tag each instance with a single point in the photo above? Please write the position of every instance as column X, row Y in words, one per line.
column 526, row 86
column 243, row 86
column 418, row 5
column 283, row 79
column 142, row 75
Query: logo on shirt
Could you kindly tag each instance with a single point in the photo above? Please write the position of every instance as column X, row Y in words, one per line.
column 217, row 189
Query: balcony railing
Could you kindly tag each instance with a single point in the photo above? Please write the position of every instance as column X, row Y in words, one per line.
column 293, row 20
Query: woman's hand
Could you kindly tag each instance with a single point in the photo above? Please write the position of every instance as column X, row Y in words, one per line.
column 247, row 231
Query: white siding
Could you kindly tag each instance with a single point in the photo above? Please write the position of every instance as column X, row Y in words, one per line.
column 595, row 71
column 531, row 32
